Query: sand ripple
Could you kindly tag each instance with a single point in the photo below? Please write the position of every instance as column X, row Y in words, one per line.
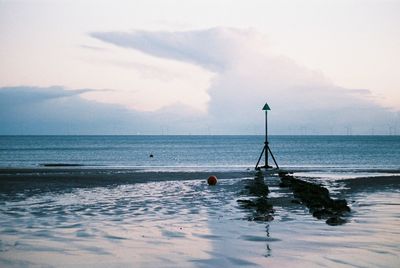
column 190, row 224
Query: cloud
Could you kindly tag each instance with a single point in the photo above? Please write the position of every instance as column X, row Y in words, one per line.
column 209, row 48
column 95, row 48
column 56, row 110
column 53, row 110
column 248, row 75
column 23, row 94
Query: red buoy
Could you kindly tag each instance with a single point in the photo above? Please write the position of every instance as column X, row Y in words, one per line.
column 212, row 180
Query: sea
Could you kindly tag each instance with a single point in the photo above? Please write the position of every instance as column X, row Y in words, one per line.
column 325, row 152
column 59, row 209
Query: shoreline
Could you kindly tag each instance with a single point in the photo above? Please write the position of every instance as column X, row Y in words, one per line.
column 145, row 174
column 13, row 180
column 41, row 180
column 130, row 174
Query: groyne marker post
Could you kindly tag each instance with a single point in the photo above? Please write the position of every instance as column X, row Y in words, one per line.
column 266, row 109
column 266, row 150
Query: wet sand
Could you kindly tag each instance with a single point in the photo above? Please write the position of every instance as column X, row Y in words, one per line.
column 14, row 180
column 77, row 217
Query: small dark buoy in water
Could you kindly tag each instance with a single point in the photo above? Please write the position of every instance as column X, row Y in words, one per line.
column 151, row 155
column 212, row 180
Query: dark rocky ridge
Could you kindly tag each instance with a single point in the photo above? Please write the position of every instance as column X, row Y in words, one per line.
column 261, row 209
column 317, row 199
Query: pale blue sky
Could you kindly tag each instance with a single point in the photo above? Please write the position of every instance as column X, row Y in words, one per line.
column 200, row 66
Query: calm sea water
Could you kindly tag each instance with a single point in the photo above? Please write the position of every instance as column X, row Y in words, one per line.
column 361, row 152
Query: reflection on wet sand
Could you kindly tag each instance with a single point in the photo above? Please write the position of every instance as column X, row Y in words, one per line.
column 188, row 223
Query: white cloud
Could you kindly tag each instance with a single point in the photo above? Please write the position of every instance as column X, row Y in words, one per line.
column 210, row 48
column 247, row 76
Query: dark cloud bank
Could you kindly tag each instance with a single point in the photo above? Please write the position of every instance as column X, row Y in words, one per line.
column 302, row 101
column 55, row 110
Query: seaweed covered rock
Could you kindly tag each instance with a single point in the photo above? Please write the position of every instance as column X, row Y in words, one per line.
column 317, row 199
column 261, row 208
column 245, row 203
column 258, row 188
column 335, row 220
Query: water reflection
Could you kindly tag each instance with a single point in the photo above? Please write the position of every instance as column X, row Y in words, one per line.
column 188, row 223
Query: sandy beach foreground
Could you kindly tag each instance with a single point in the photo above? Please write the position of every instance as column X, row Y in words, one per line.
column 123, row 217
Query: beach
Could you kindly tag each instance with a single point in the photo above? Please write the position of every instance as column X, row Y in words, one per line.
column 199, row 134
column 75, row 216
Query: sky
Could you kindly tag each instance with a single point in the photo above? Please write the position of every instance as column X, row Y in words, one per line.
column 199, row 67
